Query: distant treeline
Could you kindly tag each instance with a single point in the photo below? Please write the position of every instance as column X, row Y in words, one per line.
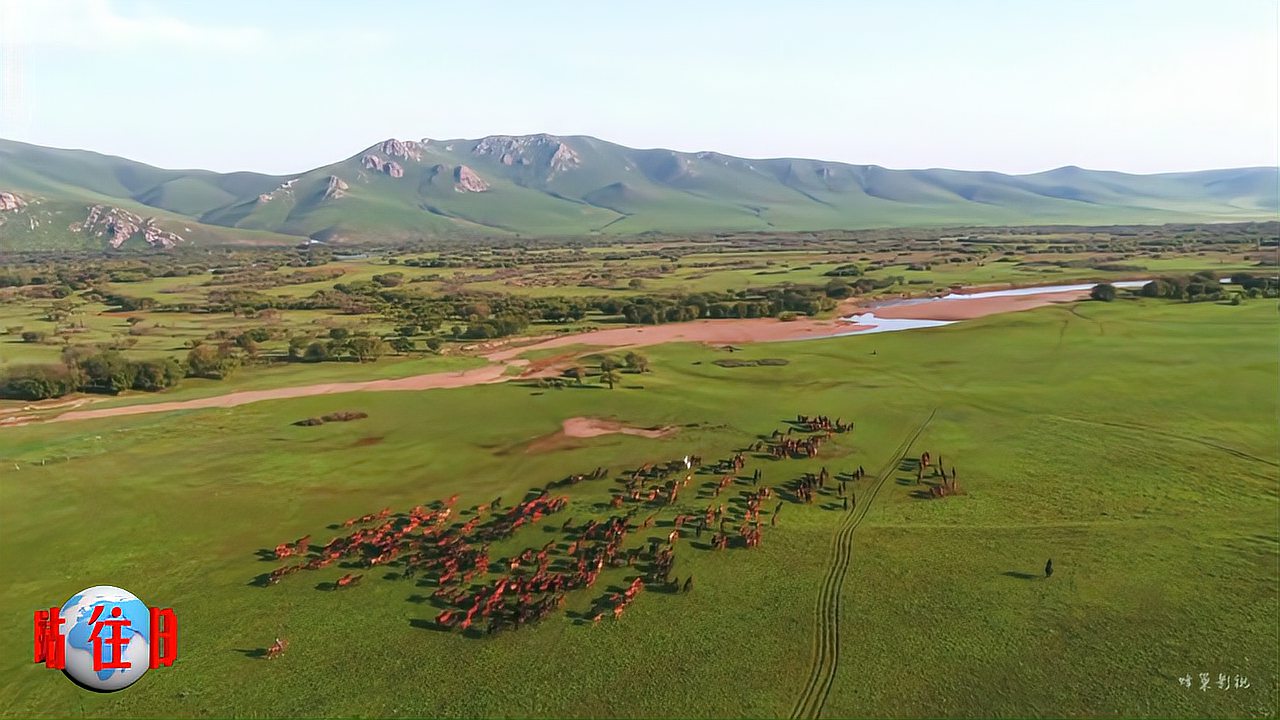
column 1205, row 286
column 481, row 315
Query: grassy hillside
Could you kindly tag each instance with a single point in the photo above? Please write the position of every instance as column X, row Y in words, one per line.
column 546, row 185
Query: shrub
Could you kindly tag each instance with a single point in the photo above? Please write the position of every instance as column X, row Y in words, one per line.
column 1105, row 292
column 108, row 372
column 37, row 382
column 33, row 336
column 344, row 416
column 155, row 375
column 316, row 352
column 209, row 361
column 367, row 347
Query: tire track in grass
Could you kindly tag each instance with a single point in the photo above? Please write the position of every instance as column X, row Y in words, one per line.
column 825, row 658
column 1147, row 429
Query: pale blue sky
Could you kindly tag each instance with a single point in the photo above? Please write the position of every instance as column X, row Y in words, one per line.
column 1016, row 85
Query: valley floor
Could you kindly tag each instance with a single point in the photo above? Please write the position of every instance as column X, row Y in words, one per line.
column 1132, row 442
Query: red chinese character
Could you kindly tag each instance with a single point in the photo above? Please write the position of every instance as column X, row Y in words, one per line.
column 117, row 641
column 164, row 641
column 50, row 644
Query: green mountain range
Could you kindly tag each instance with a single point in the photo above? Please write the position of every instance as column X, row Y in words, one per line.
column 537, row 185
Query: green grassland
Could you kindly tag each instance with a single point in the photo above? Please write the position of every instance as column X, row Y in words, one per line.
column 1133, row 442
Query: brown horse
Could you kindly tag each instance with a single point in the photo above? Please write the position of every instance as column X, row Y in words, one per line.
column 277, row 649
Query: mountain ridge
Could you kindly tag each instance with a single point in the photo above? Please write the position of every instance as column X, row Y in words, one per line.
column 542, row 184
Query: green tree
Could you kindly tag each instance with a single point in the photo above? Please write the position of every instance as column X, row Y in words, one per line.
column 610, row 378
column 367, row 347
column 298, row 345
column 37, row 382
column 1155, row 289
column 154, row 375
column 577, row 372
column 210, row 361
column 108, row 372
column 317, row 351
column 637, row 362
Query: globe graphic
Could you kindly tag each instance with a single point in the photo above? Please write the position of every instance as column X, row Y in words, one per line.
column 77, row 614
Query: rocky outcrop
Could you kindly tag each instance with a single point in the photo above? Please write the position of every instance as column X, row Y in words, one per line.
column 563, row 159
column 403, row 149
column 336, row 188
column 390, row 167
column 119, row 226
column 10, row 201
column 544, row 151
column 466, row 180
column 285, row 188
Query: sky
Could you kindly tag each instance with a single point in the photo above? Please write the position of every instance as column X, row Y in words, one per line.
column 1009, row 85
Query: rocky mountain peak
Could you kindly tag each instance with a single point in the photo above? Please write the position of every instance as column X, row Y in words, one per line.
column 540, row 150
column 403, row 149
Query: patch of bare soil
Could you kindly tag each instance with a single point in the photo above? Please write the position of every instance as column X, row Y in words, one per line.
column 579, row 428
column 584, row 427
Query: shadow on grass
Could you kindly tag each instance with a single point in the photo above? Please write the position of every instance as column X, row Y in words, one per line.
column 422, row 624
column 255, row 653
column 1020, row 575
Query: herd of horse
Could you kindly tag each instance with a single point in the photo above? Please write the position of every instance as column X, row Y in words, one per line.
column 436, row 547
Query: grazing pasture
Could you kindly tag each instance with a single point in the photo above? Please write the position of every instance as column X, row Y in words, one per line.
column 1132, row 442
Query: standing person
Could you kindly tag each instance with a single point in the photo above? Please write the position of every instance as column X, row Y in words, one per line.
column 1048, row 568
column 854, row 498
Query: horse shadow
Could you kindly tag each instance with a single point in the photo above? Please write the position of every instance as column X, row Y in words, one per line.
column 253, row 653
column 422, row 624
column 909, row 464
column 263, row 580
column 266, row 555
column 1020, row 575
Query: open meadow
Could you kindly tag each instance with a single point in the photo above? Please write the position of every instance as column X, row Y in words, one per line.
column 1133, row 442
